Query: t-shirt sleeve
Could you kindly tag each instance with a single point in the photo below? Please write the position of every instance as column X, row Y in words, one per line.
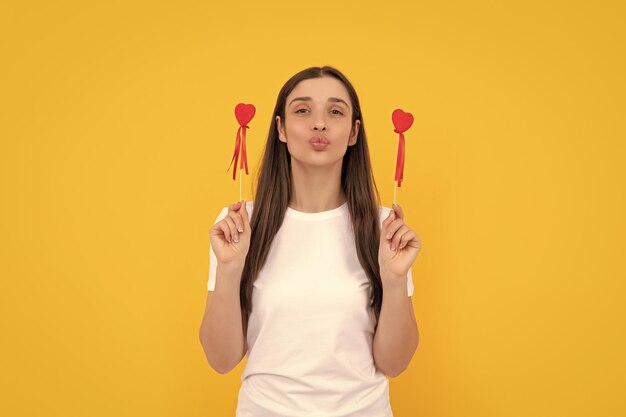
column 384, row 212
column 212, row 257
column 409, row 283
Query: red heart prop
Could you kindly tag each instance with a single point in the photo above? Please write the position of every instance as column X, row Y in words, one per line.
column 244, row 113
column 402, row 121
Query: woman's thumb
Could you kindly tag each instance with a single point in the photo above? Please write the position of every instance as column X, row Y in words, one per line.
column 243, row 210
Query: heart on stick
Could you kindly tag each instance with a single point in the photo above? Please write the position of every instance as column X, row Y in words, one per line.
column 244, row 113
column 402, row 120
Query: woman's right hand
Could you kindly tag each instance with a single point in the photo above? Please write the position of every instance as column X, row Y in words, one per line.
column 229, row 244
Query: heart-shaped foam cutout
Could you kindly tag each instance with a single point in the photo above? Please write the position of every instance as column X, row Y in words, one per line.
column 244, row 113
column 402, row 121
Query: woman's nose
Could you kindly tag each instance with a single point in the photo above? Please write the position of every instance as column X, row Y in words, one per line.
column 319, row 121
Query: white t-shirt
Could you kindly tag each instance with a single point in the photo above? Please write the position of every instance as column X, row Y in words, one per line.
column 310, row 332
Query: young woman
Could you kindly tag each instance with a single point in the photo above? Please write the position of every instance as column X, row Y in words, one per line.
column 312, row 279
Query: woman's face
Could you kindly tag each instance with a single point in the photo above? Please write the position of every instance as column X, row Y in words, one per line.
column 318, row 110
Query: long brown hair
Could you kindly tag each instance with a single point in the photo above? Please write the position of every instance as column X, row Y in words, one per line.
column 273, row 194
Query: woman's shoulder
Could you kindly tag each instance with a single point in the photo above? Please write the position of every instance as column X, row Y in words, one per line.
column 383, row 211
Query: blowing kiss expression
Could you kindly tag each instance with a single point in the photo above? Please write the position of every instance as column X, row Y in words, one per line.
column 319, row 143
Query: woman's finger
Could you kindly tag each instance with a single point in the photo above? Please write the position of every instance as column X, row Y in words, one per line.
column 223, row 228
column 398, row 210
column 244, row 215
column 236, row 216
column 393, row 227
column 233, row 229
column 235, row 206
column 395, row 242
column 406, row 238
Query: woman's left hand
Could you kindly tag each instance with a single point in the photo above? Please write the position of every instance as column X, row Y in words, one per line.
column 407, row 244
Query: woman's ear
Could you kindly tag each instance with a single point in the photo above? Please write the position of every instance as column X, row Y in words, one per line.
column 281, row 130
column 355, row 133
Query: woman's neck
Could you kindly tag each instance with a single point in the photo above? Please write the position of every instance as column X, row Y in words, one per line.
column 316, row 189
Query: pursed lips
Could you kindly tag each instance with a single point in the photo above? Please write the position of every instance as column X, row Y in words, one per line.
column 319, row 139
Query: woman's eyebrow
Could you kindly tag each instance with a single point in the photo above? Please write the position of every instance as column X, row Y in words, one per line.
column 333, row 99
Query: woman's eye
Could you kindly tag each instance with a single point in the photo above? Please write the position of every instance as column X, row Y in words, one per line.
column 334, row 110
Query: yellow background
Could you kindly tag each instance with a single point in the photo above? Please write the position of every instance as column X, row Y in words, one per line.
column 117, row 126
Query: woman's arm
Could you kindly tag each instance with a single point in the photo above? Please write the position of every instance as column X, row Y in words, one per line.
column 396, row 337
column 222, row 332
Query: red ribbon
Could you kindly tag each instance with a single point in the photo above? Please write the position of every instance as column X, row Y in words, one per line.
column 240, row 146
column 400, row 159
